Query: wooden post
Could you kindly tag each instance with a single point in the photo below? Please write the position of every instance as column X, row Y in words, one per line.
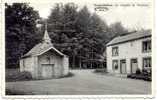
column 80, row 63
column 92, row 59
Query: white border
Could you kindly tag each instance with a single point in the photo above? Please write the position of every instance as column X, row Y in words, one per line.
column 2, row 39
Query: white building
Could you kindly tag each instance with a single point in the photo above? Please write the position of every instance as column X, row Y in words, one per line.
column 128, row 52
column 45, row 61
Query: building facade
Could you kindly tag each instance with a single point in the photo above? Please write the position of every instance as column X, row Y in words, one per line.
column 45, row 61
column 127, row 53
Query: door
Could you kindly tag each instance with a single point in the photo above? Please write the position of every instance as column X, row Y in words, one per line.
column 123, row 66
column 134, row 65
column 47, row 70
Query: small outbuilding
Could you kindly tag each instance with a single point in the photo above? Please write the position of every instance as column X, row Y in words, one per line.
column 45, row 61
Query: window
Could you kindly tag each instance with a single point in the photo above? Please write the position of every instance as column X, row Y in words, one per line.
column 115, row 64
column 48, row 59
column 147, row 63
column 146, row 46
column 115, row 51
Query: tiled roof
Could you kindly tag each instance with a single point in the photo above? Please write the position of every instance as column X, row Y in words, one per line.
column 129, row 37
column 42, row 48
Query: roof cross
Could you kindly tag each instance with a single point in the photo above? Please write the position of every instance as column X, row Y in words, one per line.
column 46, row 37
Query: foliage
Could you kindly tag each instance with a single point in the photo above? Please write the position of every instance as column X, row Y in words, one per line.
column 144, row 75
column 78, row 33
column 116, row 29
column 70, row 74
column 15, row 92
column 20, row 26
column 138, row 71
column 15, row 75
column 140, row 76
column 100, row 70
column 147, row 72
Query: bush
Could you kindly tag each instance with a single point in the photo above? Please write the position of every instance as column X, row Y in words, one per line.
column 144, row 75
column 131, row 76
column 25, row 75
column 147, row 78
column 15, row 92
column 100, row 70
column 138, row 71
column 140, row 76
column 18, row 76
column 70, row 74
column 147, row 72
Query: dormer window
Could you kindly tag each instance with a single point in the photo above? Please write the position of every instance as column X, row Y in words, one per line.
column 115, row 51
column 146, row 46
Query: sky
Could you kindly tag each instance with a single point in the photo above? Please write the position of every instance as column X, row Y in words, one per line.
column 132, row 17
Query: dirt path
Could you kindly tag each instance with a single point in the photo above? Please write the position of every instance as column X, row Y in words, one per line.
column 84, row 82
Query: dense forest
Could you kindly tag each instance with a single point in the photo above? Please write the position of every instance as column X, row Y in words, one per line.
column 78, row 33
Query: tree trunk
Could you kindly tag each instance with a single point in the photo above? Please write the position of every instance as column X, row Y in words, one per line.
column 80, row 63
column 73, row 62
column 91, row 65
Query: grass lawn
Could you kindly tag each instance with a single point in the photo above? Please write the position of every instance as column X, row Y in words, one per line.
column 84, row 82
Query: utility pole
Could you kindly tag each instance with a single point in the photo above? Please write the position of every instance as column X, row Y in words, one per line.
column 92, row 58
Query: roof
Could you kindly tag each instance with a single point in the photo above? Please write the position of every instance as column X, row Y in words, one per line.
column 129, row 37
column 46, row 37
column 41, row 48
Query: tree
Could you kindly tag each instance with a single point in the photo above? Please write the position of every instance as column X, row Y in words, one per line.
column 62, row 27
column 20, row 26
column 83, row 20
column 80, row 34
column 116, row 29
column 55, row 18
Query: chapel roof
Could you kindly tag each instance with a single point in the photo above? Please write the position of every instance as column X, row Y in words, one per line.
column 43, row 47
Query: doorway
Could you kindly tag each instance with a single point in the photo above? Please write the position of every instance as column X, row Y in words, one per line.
column 123, row 66
column 134, row 65
column 47, row 70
